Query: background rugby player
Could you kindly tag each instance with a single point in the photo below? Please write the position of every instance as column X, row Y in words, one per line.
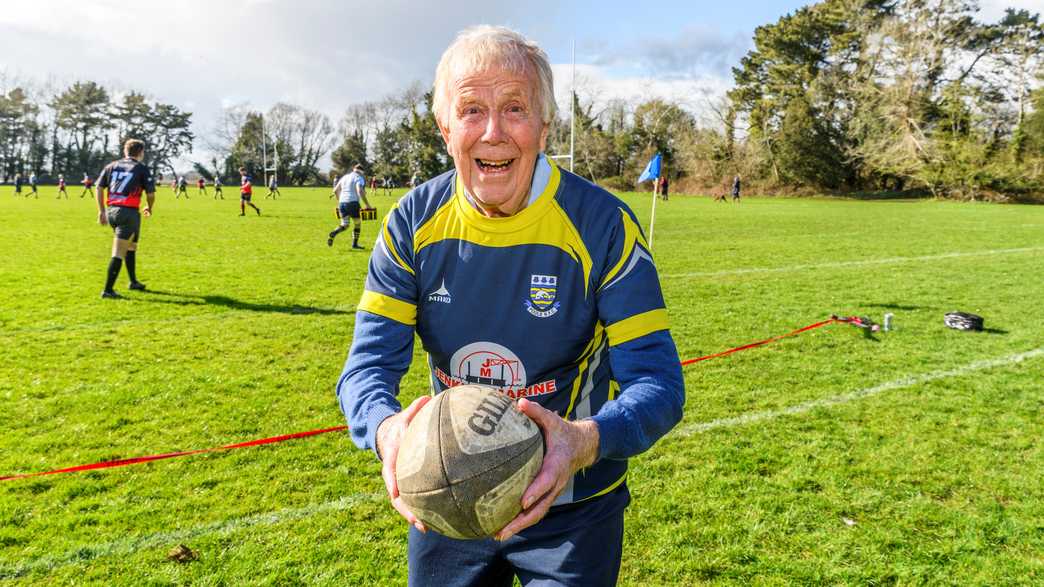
column 61, row 188
column 246, row 191
column 125, row 180
column 181, row 188
column 217, row 188
column 273, row 188
column 349, row 190
column 201, row 186
column 32, row 186
column 88, row 183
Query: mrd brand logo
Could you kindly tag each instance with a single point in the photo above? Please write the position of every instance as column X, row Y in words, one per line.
column 488, row 413
column 441, row 295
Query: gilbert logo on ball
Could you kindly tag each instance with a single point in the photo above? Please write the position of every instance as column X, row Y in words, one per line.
column 465, row 461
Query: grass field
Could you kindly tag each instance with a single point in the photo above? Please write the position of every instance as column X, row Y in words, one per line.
column 916, row 457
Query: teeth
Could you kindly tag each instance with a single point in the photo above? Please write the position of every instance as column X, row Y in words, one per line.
column 490, row 163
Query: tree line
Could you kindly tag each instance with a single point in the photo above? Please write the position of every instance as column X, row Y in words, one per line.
column 893, row 95
column 394, row 137
column 290, row 138
column 78, row 129
column 849, row 96
column 839, row 96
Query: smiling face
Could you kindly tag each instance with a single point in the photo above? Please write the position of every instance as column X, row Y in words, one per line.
column 494, row 131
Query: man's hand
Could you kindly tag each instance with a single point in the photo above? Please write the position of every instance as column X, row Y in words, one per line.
column 102, row 218
column 147, row 212
column 570, row 446
column 389, row 436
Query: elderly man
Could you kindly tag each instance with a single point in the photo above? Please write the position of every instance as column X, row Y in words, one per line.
column 509, row 258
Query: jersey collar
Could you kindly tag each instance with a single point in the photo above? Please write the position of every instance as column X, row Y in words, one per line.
column 546, row 178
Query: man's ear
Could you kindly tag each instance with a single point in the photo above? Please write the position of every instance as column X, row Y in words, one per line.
column 444, row 130
column 543, row 136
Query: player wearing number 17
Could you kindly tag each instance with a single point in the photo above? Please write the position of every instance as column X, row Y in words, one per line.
column 522, row 276
column 125, row 180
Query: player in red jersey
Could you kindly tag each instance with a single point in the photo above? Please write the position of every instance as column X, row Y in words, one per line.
column 88, row 183
column 125, row 180
column 201, row 187
column 61, row 188
column 246, row 190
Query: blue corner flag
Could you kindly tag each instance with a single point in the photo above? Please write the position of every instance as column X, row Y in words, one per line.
column 652, row 170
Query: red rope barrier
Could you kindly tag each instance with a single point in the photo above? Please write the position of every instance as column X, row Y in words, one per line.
column 171, row 455
column 766, row 341
column 295, row 435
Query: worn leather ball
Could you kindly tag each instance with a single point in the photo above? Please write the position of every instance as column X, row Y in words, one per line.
column 465, row 461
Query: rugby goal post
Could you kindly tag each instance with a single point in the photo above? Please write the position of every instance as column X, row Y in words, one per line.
column 572, row 116
column 264, row 152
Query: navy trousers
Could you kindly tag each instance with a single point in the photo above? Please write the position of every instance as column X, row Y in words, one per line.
column 575, row 544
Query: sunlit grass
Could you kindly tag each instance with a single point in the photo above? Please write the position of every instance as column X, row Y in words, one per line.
column 246, row 326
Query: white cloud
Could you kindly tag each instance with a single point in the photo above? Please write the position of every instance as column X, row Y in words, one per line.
column 695, row 50
column 993, row 10
column 213, row 54
column 598, row 85
column 203, row 55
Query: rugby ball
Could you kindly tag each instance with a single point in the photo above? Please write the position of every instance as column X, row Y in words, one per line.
column 465, row 461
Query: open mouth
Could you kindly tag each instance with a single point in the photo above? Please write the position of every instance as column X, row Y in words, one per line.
column 494, row 165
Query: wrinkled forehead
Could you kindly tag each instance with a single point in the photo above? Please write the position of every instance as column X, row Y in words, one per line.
column 474, row 69
column 503, row 83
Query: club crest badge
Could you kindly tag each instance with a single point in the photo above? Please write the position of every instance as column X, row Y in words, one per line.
column 542, row 292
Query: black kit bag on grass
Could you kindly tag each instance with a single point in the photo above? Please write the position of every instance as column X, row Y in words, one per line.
column 963, row 321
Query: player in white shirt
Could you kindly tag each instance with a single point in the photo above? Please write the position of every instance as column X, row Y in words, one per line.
column 349, row 191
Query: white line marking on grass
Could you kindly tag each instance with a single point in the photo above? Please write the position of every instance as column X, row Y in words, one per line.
column 836, row 400
column 135, row 544
column 858, row 263
column 138, row 543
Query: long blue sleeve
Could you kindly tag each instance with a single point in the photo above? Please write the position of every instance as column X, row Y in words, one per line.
column 651, row 399
column 380, row 355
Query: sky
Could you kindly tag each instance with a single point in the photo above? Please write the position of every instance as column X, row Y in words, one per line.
column 203, row 55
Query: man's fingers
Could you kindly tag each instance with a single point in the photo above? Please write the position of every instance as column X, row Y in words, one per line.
column 536, row 412
column 405, row 512
column 414, row 407
column 390, row 454
column 528, row 517
column 388, row 473
column 541, row 485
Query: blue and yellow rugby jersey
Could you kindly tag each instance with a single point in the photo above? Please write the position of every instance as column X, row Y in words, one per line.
column 559, row 303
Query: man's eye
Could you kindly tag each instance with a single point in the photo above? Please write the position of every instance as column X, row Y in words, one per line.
column 471, row 110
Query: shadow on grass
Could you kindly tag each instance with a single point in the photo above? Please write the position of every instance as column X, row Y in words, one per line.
column 895, row 306
column 234, row 304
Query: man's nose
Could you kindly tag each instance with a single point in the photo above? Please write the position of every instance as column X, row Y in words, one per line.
column 494, row 133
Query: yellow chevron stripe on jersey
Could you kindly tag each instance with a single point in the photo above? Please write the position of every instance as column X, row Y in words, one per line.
column 637, row 326
column 388, row 307
column 585, row 357
column 458, row 219
column 389, row 244
column 632, row 236
column 614, row 387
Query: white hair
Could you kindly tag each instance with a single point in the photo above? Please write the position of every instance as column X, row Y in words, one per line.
column 482, row 48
